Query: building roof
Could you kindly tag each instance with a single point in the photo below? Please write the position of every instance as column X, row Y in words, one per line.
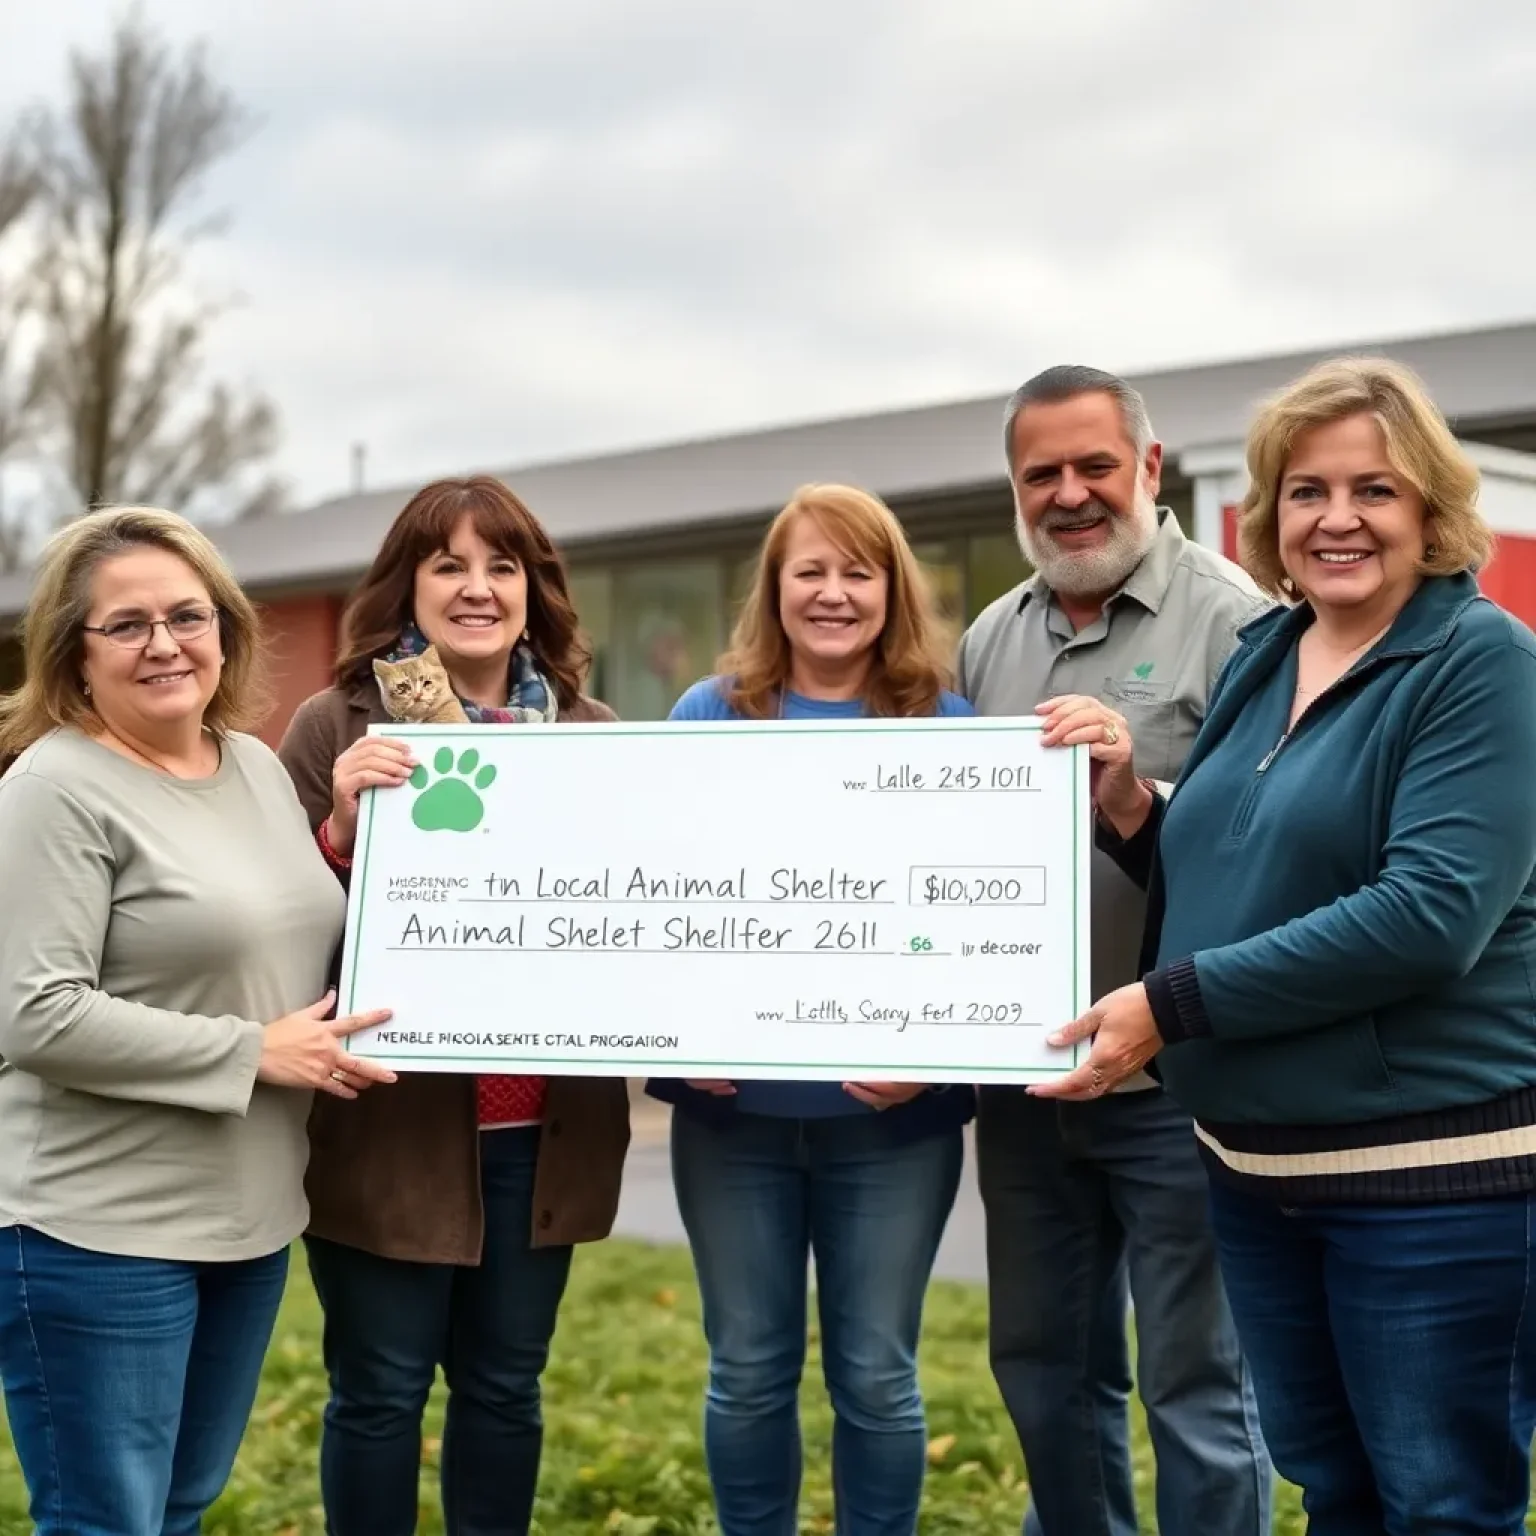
column 1485, row 377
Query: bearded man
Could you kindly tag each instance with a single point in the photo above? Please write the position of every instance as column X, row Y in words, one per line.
column 1093, row 1204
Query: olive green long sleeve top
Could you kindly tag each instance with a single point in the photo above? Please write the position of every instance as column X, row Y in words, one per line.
column 149, row 928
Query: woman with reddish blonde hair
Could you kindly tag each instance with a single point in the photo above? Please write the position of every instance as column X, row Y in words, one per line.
column 840, row 624
column 896, row 667
column 442, row 1221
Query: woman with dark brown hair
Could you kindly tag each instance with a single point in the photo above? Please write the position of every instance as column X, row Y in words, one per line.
column 443, row 1217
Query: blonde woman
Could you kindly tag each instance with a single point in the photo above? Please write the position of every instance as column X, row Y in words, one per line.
column 1341, row 967
column 167, row 930
column 840, row 624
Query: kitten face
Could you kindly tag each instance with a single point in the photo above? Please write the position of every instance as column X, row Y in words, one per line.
column 414, row 687
column 413, row 690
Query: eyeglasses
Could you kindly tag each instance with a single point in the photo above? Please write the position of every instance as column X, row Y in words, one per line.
column 134, row 634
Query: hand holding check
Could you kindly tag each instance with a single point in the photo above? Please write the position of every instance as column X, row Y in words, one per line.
column 1073, row 720
column 1125, row 1039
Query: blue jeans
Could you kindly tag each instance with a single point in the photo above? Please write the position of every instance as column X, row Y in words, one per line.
column 1089, row 1205
column 1394, row 1352
column 758, row 1197
column 128, row 1381
column 390, row 1323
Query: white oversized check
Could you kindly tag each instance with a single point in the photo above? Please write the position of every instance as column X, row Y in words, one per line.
column 901, row 900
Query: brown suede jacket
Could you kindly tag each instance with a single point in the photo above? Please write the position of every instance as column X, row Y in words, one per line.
column 396, row 1171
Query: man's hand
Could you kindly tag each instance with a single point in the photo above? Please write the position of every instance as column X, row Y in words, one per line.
column 1075, row 720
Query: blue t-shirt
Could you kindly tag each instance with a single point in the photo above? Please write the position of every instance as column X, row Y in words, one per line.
column 706, row 701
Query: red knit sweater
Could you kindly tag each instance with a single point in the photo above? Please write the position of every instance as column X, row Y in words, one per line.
column 510, row 1100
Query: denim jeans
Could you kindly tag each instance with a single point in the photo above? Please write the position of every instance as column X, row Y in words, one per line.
column 390, row 1323
column 758, row 1197
column 128, row 1381
column 1394, row 1353
column 1087, row 1204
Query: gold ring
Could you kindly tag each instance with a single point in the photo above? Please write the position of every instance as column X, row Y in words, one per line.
column 1096, row 1077
column 1111, row 732
column 338, row 1076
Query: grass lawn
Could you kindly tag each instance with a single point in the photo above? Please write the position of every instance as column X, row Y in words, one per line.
column 622, row 1451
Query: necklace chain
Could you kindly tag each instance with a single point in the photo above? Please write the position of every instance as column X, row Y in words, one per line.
column 154, row 763
column 1365, row 645
column 1349, row 658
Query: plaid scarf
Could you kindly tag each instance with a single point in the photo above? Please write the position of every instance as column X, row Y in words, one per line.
column 530, row 699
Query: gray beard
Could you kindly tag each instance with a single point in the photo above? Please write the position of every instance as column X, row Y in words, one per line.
column 1092, row 572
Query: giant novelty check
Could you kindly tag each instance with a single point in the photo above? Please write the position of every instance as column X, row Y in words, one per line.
column 879, row 900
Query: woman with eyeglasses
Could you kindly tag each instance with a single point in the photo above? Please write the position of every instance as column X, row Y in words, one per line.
column 167, row 928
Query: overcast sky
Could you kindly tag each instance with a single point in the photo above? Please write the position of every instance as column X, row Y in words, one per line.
column 477, row 233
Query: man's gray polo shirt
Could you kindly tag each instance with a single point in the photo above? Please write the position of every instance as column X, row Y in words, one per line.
column 1153, row 655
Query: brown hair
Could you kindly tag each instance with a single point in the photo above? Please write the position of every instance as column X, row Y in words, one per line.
column 52, row 692
column 382, row 604
column 909, row 670
column 1420, row 446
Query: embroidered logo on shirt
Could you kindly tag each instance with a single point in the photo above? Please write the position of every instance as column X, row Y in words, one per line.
column 1138, row 687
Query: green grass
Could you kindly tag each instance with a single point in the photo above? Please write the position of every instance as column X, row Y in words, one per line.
column 622, row 1451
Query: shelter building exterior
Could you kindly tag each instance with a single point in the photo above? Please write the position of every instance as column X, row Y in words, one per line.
column 660, row 541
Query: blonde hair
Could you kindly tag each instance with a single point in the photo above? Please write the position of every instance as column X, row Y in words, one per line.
column 1420, row 446
column 909, row 670
column 52, row 692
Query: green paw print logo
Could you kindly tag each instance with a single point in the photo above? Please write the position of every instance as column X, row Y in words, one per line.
column 1144, row 671
column 448, row 798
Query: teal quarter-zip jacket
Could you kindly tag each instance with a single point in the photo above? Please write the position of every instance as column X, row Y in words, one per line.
column 1341, row 946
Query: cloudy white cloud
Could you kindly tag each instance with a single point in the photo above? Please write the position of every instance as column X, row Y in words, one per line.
column 483, row 233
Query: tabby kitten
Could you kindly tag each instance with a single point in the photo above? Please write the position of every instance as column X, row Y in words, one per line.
column 417, row 691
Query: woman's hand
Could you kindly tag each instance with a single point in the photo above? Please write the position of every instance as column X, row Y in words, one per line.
column 883, row 1095
column 371, row 762
column 1125, row 1039
column 1073, row 719
column 721, row 1087
column 302, row 1050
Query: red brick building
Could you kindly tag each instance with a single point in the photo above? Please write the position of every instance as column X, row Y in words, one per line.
column 660, row 541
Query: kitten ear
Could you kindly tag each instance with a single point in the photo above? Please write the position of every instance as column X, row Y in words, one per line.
column 429, row 656
column 380, row 669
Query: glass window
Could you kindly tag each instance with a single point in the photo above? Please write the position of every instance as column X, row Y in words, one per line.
column 1180, row 500
column 740, row 570
column 946, row 570
column 592, row 595
column 743, row 568
column 994, row 565
column 667, row 631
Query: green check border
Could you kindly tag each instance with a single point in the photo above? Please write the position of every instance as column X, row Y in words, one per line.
column 641, row 1067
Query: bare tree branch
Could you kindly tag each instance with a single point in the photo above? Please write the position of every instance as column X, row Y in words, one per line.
column 119, row 355
column 224, row 432
column 20, row 183
column 15, row 538
column 269, row 498
column 195, row 123
column 22, row 523
column 20, row 172
column 19, row 391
